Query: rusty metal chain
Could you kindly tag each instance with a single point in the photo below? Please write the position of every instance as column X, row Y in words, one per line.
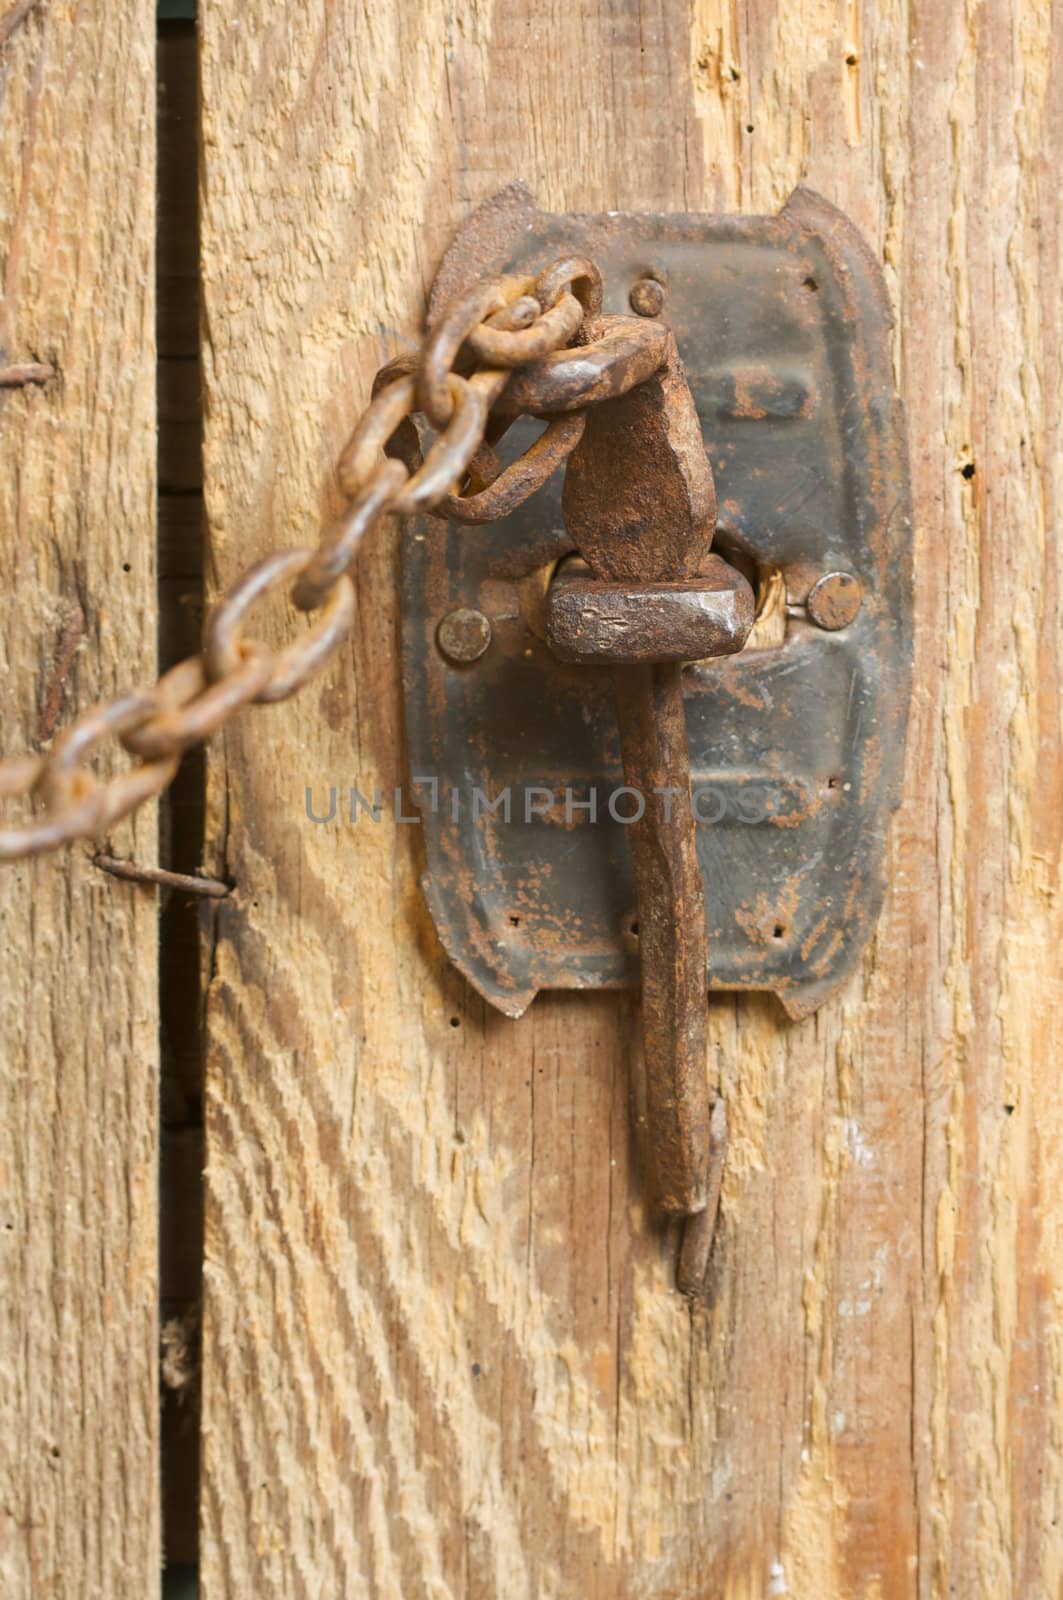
column 511, row 345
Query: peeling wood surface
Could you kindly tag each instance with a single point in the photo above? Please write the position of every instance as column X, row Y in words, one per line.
column 442, row 1352
column 78, row 1017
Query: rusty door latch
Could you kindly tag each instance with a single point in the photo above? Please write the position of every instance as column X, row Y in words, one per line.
column 640, row 504
column 671, row 764
column 596, row 629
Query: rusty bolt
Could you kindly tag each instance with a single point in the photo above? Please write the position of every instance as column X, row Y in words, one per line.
column 834, row 600
column 647, row 297
column 463, row 635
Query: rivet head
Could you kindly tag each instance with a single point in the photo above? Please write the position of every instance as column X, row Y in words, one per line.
column 463, row 635
column 835, row 600
column 647, row 298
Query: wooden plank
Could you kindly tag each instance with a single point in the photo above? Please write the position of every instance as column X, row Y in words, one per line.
column 78, row 1017
column 442, row 1352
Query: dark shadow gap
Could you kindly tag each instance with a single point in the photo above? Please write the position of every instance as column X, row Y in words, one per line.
column 181, row 812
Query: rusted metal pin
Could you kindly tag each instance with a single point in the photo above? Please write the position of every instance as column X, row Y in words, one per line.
column 640, row 504
column 672, row 938
column 190, row 883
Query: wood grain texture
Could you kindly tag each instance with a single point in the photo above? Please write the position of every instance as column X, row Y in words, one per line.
column 443, row 1356
column 78, row 1017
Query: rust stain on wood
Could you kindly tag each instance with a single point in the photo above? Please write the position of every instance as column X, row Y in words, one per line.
column 14, row 17
column 69, row 639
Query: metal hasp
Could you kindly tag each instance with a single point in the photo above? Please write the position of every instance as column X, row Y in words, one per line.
column 538, row 688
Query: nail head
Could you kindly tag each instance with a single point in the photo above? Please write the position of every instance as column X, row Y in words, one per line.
column 647, row 297
column 463, row 635
column 835, row 600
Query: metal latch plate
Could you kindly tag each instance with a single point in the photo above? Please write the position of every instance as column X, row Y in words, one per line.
column 783, row 326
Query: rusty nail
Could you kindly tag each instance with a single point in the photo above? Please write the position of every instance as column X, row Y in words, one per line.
column 190, row 883
column 647, row 297
column 834, row 600
column 25, row 372
column 463, row 635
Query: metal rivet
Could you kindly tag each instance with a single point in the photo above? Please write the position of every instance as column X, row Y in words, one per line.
column 647, row 297
column 834, row 601
column 463, row 635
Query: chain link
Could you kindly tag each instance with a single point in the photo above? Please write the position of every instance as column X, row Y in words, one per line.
column 541, row 339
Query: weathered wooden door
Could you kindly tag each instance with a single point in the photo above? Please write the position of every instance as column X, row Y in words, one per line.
column 442, row 1353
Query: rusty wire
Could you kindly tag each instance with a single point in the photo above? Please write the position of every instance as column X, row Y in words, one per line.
column 510, row 334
